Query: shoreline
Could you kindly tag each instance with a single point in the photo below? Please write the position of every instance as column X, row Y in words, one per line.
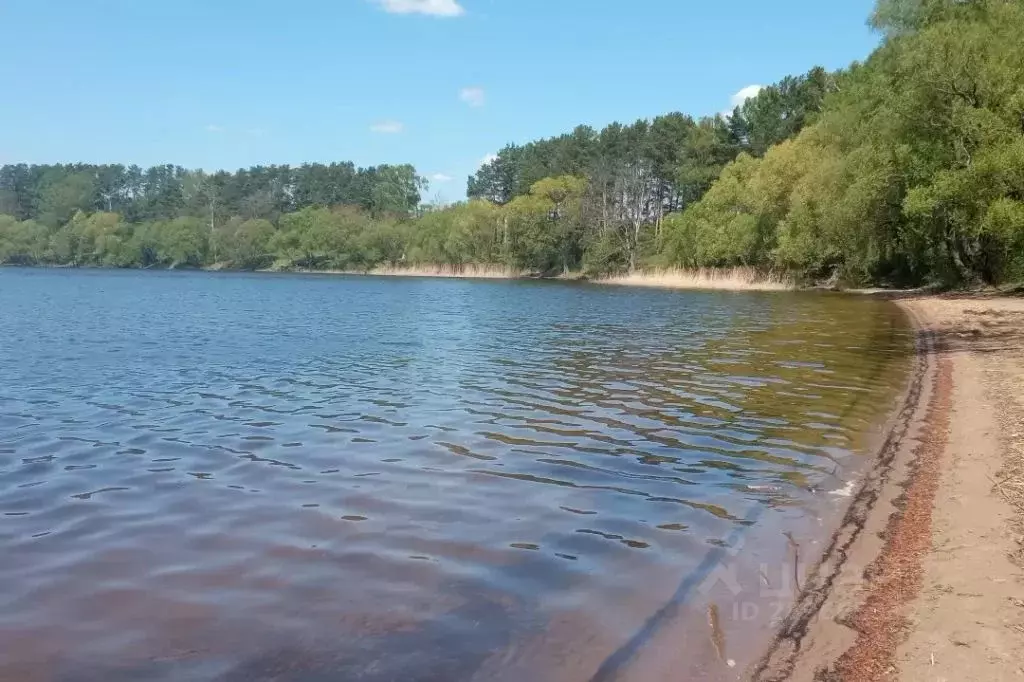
column 710, row 279
column 737, row 278
column 698, row 279
column 897, row 593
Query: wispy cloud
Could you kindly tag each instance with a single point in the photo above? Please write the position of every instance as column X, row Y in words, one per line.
column 441, row 178
column 474, row 97
column 387, row 127
column 488, row 160
column 436, row 8
column 742, row 96
column 213, row 128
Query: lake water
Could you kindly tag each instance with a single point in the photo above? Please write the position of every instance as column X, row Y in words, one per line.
column 259, row 477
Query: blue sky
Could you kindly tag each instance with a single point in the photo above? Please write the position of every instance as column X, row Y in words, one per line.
column 437, row 83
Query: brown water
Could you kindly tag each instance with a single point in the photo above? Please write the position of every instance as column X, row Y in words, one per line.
column 230, row 477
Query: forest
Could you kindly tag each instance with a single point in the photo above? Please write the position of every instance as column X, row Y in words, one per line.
column 905, row 169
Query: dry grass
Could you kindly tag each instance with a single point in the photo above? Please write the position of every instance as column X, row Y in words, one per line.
column 1010, row 480
column 1012, row 488
column 727, row 279
column 469, row 271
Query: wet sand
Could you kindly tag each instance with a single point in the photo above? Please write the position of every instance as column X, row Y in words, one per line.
column 924, row 579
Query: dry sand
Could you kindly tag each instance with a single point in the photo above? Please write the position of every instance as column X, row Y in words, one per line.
column 968, row 622
column 924, row 580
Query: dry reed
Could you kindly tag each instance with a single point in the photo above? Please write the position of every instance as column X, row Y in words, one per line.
column 468, row 271
column 725, row 279
column 732, row 279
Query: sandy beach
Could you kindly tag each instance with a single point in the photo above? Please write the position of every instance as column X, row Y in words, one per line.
column 925, row 577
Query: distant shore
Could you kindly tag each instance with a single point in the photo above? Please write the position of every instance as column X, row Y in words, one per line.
column 725, row 279
column 925, row 572
column 468, row 271
column 716, row 279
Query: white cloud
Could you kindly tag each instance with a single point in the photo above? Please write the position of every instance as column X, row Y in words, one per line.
column 212, row 128
column 742, row 96
column 441, row 177
column 387, row 127
column 437, row 8
column 474, row 97
column 488, row 160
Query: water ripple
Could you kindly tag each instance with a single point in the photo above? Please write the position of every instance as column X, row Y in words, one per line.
column 218, row 478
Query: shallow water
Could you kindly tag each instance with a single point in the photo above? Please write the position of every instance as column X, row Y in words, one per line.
column 235, row 477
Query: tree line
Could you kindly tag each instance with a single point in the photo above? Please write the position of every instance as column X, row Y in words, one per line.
column 581, row 201
column 52, row 194
column 636, row 175
column 906, row 168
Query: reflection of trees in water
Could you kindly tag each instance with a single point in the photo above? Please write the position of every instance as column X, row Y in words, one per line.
column 800, row 381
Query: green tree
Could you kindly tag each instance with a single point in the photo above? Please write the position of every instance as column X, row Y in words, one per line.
column 61, row 194
column 182, row 242
column 396, row 190
column 246, row 244
column 22, row 242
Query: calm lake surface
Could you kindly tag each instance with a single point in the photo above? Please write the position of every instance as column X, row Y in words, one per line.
column 261, row 477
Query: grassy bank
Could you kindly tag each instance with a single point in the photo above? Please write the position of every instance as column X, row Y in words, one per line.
column 469, row 271
column 726, row 279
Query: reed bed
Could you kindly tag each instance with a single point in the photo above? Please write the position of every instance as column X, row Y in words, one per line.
column 469, row 271
column 726, row 279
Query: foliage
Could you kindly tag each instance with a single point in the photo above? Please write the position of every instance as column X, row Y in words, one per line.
column 914, row 170
column 782, row 110
column 635, row 175
column 52, row 194
column 22, row 243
